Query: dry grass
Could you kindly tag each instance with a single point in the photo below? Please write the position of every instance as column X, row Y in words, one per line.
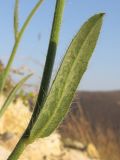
column 78, row 126
column 107, row 143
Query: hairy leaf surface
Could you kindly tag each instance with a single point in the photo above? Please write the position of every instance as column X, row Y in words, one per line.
column 73, row 66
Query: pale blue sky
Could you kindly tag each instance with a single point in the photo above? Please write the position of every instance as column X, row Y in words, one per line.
column 104, row 69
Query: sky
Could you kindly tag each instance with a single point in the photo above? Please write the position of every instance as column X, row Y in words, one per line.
column 104, row 68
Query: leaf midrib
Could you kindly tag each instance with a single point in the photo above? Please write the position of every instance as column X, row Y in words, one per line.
column 55, row 111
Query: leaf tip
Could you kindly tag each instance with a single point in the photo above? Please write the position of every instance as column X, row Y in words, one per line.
column 101, row 14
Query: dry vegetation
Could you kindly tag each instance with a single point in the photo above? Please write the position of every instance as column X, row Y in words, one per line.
column 94, row 118
column 9, row 82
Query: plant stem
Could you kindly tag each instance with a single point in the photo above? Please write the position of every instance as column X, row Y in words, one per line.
column 21, row 145
column 16, row 19
column 54, row 38
column 20, row 34
column 45, row 80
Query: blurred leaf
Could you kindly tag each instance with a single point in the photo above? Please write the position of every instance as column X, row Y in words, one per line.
column 17, row 42
column 68, row 77
column 12, row 94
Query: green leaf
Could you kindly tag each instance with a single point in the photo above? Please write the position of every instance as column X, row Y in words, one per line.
column 12, row 94
column 16, row 19
column 50, row 58
column 68, row 77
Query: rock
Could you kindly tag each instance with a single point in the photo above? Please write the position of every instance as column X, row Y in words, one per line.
column 15, row 118
column 92, row 152
column 14, row 122
column 3, row 153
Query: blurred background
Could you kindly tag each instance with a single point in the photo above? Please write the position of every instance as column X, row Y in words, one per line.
column 92, row 127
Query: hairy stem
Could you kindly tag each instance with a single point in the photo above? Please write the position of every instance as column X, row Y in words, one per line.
column 54, row 38
column 21, row 145
column 46, row 77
